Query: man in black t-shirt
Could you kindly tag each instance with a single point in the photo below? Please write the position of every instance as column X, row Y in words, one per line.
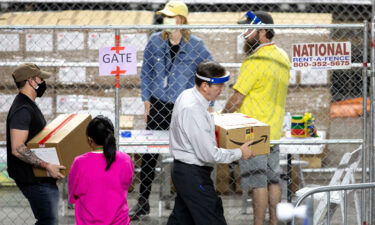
column 24, row 121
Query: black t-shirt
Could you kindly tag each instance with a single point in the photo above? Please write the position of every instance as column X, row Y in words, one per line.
column 24, row 114
column 20, row 120
column 174, row 50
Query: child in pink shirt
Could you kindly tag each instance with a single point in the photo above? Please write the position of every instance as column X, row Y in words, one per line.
column 99, row 180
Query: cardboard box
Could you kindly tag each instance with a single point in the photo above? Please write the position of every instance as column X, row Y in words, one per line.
column 126, row 122
column 234, row 129
column 315, row 161
column 67, row 135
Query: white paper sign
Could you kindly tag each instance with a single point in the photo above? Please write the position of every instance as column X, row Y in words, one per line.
column 322, row 56
column 316, row 77
column 39, row 42
column 137, row 40
column 234, row 119
column 45, row 105
column 70, row 41
column 70, row 103
column 98, row 40
column 144, row 135
column 47, row 154
column 101, row 103
column 132, row 106
column 69, row 75
column 121, row 60
column 293, row 77
column 107, row 113
column 9, row 42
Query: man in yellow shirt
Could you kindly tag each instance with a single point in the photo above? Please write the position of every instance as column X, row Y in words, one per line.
column 260, row 92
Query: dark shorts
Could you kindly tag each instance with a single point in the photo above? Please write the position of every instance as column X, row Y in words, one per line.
column 261, row 170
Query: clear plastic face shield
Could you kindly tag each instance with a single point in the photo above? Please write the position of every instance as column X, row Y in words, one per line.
column 215, row 80
column 250, row 16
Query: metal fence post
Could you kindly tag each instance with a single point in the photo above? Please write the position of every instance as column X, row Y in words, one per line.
column 371, row 142
column 117, row 95
column 364, row 118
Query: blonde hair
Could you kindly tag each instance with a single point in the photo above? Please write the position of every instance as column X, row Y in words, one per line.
column 185, row 32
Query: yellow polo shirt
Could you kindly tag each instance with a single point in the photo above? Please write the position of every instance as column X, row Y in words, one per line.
column 263, row 80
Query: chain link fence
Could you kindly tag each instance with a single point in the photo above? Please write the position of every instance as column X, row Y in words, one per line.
column 70, row 52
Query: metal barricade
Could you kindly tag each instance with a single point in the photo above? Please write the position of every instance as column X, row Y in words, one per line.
column 328, row 189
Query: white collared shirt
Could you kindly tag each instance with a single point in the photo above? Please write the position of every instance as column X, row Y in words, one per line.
column 192, row 132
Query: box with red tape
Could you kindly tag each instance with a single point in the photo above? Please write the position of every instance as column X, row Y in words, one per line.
column 64, row 136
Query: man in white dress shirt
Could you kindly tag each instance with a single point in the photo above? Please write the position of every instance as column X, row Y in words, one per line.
column 193, row 146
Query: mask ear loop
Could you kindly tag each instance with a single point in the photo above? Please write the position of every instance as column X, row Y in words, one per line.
column 32, row 85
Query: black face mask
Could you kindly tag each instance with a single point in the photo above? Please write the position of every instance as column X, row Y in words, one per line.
column 41, row 89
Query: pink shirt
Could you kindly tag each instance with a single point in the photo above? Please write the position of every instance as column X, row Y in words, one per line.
column 100, row 196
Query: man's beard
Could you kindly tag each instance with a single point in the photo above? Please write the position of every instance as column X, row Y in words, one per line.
column 250, row 45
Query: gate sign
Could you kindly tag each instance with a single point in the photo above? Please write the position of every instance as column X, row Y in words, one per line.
column 321, row 56
column 119, row 59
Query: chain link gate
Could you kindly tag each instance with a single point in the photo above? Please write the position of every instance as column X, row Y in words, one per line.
column 70, row 52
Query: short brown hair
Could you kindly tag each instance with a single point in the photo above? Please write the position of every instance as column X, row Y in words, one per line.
column 19, row 84
column 209, row 69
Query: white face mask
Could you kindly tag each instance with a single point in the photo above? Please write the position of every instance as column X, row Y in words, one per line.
column 169, row 21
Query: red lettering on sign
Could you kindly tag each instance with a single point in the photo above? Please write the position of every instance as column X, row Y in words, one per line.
column 296, row 50
column 338, row 50
column 331, row 49
column 346, row 52
column 304, row 51
column 311, row 47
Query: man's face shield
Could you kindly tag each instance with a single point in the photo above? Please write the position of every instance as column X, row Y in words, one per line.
column 215, row 80
column 253, row 19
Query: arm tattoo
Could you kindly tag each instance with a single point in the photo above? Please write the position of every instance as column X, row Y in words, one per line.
column 28, row 156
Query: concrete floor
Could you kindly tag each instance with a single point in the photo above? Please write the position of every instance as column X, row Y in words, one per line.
column 14, row 209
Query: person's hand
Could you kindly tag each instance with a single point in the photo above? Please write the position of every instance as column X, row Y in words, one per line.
column 54, row 170
column 246, row 152
column 147, row 110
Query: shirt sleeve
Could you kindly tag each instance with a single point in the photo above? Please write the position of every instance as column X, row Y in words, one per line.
column 20, row 120
column 247, row 78
column 73, row 183
column 146, row 71
column 198, row 127
column 128, row 171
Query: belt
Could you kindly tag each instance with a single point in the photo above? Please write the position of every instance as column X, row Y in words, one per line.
column 207, row 168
